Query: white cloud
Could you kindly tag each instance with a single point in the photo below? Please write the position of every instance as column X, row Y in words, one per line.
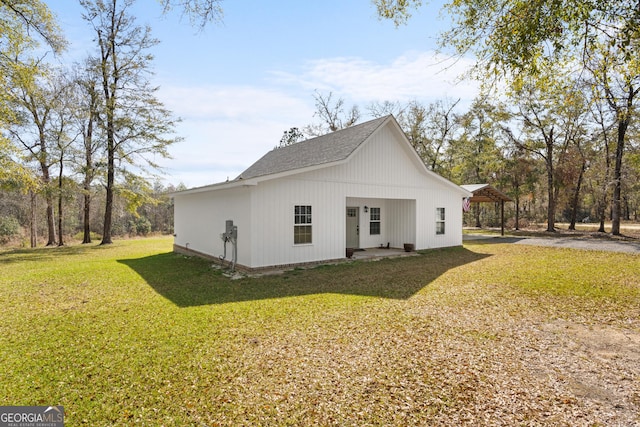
column 423, row 76
column 227, row 128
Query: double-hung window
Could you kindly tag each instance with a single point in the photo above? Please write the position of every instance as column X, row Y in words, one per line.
column 439, row 220
column 374, row 221
column 302, row 224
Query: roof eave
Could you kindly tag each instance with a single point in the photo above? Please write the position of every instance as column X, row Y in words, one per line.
column 217, row 186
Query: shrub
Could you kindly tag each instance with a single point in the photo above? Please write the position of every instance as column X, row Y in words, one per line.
column 9, row 228
column 141, row 226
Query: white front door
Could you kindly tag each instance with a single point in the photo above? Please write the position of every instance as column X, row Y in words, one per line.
column 353, row 227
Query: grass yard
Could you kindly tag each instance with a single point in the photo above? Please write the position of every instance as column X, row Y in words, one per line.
column 486, row 334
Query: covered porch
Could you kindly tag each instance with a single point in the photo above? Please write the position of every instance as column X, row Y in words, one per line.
column 379, row 224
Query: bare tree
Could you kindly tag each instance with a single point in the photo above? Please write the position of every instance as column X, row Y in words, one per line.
column 332, row 115
column 87, row 122
column 199, row 12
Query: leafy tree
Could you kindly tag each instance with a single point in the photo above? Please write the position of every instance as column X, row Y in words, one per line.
column 519, row 175
column 61, row 137
column 36, row 101
column 510, row 37
column 414, row 123
column 516, row 38
column 432, row 130
column 23, row 25
column 20, row 20
column 572, row 171
column 552, row 110
column 475, row 155
column 617, row 79
column 291, row 136
column 600, row 170
column 136, row 123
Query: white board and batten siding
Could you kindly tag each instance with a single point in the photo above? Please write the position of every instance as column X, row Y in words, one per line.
column 273, row 204
column 199, row 220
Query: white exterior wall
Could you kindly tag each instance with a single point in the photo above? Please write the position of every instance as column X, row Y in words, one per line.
column 200, row 219
column 401, row 232
column 273, row 205
column 426, row 221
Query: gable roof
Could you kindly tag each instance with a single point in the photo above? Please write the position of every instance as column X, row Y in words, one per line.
column 333, row 147
column 319, row 152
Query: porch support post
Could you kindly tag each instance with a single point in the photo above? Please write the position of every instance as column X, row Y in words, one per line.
column 502, row 217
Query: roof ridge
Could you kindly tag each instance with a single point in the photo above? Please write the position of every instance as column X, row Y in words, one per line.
column 348, row 128
column 327, row 148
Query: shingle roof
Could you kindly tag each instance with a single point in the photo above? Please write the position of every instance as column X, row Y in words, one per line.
column 333, row 147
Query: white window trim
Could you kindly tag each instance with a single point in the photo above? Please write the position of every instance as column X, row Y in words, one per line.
column 441, row 221
column 379, row 220
column 302, row 225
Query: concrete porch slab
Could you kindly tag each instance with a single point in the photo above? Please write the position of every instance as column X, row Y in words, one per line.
column 372, row 253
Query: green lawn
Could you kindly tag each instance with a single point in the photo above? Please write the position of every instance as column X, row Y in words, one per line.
column 132, row 334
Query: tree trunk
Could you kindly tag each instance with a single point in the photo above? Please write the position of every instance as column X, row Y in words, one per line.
column 627, row 210
column 86, row 185
column 108, row 209
column 86, row 238
column 51, row 226
column 33, row 220
column 110, row 79
column 617, row 176
column 602, row 208
column 60, row 215
column 551, row 208
column 576, row 197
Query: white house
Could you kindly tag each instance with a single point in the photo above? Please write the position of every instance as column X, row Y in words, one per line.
column 359, row 187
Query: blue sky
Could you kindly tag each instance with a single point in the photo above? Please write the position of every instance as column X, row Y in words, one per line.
column 238, row 85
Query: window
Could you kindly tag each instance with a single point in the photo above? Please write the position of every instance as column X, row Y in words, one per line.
column 302, row 224
column 439, row 220
column 374, row 221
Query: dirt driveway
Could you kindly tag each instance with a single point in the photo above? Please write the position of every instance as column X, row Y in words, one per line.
column 584, row 242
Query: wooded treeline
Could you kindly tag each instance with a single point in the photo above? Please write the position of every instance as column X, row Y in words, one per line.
column 532, row 146
column 555, row 127
column 556, row 124
column 79, row 144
